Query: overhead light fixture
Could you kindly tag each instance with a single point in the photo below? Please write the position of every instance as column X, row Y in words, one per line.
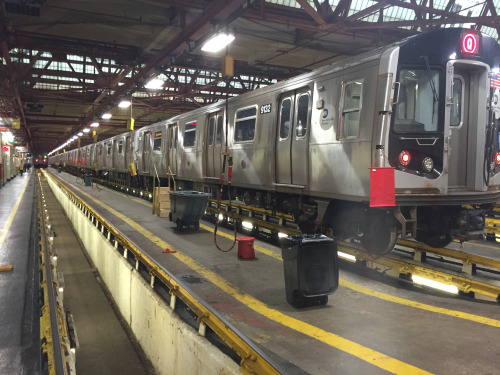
column 86, row 130
column 106, row 116
column 217, row 42
column 154, row 84
column 80, row 134
column 124, row 104
column 94, row 124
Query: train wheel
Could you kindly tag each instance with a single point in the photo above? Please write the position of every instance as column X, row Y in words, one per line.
column 380, row 235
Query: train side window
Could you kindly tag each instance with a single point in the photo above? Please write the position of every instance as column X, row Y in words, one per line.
column 218, row 139
column 352, row 94
column 244, row 127
column 456, row 103
column 285, row 117
column 211, row 129
column 302, row 115
column 157, row 141
column 189, row 134
column 120, row 147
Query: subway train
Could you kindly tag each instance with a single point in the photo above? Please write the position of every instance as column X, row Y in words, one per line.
column 41, row 161
column 424, row 109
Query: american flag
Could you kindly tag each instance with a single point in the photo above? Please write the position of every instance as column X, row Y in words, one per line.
column 495, row 81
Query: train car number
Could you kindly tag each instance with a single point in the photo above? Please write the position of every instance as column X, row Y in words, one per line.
column 266, row 108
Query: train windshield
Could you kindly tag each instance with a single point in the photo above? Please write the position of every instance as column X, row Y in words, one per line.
column 417, row 107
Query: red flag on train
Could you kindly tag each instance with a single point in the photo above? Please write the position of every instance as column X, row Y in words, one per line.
column 382, row 188
column 495, row 81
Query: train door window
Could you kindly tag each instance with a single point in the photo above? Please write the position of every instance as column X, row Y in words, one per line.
column 120, row 147
column 244, row 127
column 157, row 141
column 218, row 137
column 456, row 102
column 351, row 108
column 189, row 134
column 211, row 129
column 417, row 107
column 108, row 148
column 285, row 117
column 302, row 116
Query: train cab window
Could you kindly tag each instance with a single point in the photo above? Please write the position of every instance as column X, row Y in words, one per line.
column 302, row 115
column 211, row 130
column 456, row 103
column 352, row 94
column 189, row 134
column 285, row 117
column 157, row 141
column 244, row 127
column 417, row 107
column 120, row 147
column 218, row 136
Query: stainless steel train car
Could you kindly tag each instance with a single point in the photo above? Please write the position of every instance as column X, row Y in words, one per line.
column 427, row 106
column 41, row 161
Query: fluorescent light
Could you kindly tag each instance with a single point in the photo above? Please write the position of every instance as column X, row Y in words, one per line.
column 106, row 116
column 95, row 124
column 247, row 225
column 154, row 84
column 282, row 235
column 434, row 284
column 346, row 256
column 124, row 104
column 80, row 134
column 86, row 130
column 217, row 42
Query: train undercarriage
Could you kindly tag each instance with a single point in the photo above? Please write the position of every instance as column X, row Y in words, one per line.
column 376, row 229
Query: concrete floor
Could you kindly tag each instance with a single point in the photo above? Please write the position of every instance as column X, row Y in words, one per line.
column 369, row 326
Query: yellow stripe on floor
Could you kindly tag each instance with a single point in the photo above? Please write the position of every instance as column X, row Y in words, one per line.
column 362, row 352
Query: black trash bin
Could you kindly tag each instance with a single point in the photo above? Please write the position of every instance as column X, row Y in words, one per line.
column 187, row 207
column 59, row 169
column 311, row 268
column 88, row 179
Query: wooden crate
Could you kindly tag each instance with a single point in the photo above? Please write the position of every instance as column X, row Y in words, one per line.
column 161, row 201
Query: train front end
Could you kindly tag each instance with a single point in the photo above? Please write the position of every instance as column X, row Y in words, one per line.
column 444, row 134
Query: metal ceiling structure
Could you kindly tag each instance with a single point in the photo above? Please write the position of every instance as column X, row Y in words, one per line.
column 63, row 64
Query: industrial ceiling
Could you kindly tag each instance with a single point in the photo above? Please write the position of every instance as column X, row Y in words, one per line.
column 63, row 64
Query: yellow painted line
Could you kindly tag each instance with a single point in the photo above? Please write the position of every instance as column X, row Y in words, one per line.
column 362, row 352
column 10, row 219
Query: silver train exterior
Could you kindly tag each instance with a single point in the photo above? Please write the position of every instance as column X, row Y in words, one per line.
column 306, row 145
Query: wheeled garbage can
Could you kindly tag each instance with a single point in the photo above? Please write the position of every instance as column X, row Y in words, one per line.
column 311, row 268
column 187, row 207
column 88, row 179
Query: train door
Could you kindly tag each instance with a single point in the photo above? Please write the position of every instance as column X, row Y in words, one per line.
column 292, row 145
column 214, row 145
column 172, row 148
column 146, row 150
column 459, row 128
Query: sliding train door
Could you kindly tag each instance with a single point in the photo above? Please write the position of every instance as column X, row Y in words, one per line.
column 214, row 145
column 292, row 140
column 172, row 148
column 146, row 151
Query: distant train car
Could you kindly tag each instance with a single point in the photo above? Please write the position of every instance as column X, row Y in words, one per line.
column 427, row 106
column 41, row 161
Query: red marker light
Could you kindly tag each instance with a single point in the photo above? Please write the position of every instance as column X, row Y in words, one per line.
column 404, row 158
column 470, row 43
column 44, row 160
column 497, row 158
column 36, row 160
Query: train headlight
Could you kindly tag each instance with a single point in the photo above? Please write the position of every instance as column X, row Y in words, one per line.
column 427, row 164
column 497, row 158
column 404, row 158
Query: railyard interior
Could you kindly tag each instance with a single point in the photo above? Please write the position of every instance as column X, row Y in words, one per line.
column 317, row 197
